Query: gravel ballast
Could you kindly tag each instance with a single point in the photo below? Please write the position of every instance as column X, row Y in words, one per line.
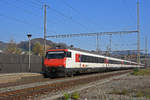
column 123, row 87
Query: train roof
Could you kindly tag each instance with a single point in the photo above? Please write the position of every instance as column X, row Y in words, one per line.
column 91, row 52
column 95, row 53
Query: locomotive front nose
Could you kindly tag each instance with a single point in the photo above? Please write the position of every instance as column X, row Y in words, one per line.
column 55, row 59
column 55, row 62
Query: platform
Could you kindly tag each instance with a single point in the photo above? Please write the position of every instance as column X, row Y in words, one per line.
column 12, row 77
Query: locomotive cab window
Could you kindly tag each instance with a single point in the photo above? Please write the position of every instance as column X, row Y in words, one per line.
column 68, row 54
column 55, row 54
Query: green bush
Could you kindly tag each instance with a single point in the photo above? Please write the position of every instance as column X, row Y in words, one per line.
column 135, row 71
column 66, row 96
column 75, row 95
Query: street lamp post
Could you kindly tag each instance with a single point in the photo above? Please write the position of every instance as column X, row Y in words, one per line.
column 29, row 37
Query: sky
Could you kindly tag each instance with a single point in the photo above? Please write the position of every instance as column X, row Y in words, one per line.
column 20, row 17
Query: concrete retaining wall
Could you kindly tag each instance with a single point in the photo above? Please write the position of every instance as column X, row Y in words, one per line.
column 19, row 63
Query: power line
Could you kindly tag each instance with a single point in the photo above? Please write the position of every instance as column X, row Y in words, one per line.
column 60, row 13
column 77, row 11
column 29, row 12
column 54, row 11
column 14, row 19
column 22, row 21
column 25, row 10
column 39, row 1
column 92, row 34
column 67, row 4
column 40, row 14
column 34, row 5
column 70, row 18
column 124, row 44
column 129, row 10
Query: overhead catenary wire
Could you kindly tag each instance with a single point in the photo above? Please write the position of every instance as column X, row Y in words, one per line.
column 42, row 3
column 69, row 17
column 68, row 5
column 14, row 19
column 71, row 7
column 28, row 12
column 34, row 5
column 16, row 6
column 22, row 21
column 90, row 34
column 79, row 13
column 129, row 11
column 60, row 13
column 35, row 14
column 39, row 1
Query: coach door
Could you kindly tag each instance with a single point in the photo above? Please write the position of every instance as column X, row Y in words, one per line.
column 68, row 59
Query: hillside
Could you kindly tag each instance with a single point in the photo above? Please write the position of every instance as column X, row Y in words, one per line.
column 24, row 45
column 3, row 45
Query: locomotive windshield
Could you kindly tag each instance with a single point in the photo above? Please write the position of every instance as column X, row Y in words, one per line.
column 55, row 54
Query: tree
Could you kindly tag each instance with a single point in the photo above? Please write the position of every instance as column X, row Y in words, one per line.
column 38, row 49
column 12, row 48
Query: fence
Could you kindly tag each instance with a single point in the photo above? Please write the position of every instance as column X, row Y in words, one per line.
column 19, row 63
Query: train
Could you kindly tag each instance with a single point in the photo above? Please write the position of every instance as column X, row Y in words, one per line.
column 68, row 62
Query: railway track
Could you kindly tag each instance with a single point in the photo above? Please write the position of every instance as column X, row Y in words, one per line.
column 32, row 92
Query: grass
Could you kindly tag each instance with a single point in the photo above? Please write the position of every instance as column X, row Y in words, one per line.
column 143, row 93
column 138, row 93
column 119, row 92
column 73, row 96
column 141, row 72
column 66, row 96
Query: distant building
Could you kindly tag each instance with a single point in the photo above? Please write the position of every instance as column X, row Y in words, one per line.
column 146, row 61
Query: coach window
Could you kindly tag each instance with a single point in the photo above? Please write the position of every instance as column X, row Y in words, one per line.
column 87, row 58
column 82, row 58
column 91, row 59
column 118, row 62
column 111, row 62
column 100, row 60
column 96, row 60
